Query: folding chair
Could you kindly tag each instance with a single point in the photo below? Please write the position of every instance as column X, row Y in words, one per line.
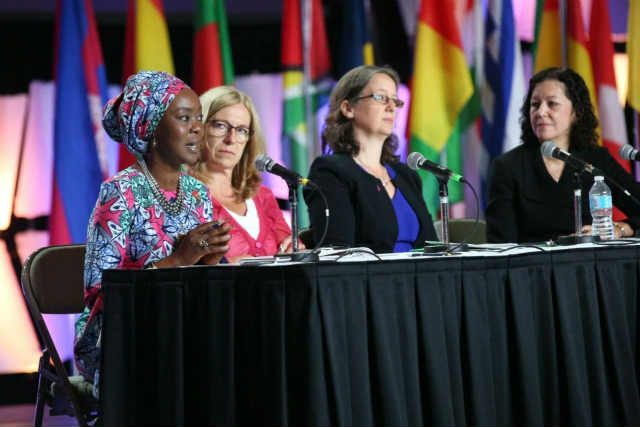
column 52, row 283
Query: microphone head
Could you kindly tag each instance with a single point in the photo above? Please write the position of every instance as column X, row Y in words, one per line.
column 627, row 152
column 547, row 148
column 262, row 162
column 414, row 159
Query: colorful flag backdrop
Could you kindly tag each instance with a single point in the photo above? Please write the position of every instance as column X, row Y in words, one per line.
column 81, row 90
column 146, row 47
column 356, row 45
column 295, row 139
column 212, row 61
column 441, row 88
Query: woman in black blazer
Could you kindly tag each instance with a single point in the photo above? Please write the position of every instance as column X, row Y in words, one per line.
column 531, row 196
column 374, row 200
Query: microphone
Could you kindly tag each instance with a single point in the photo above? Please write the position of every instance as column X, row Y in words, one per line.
column 417, row 161
column 627, row 152
column 549, row 149
column 265, row 163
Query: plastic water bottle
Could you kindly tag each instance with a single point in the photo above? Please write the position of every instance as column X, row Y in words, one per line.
column 601, row 204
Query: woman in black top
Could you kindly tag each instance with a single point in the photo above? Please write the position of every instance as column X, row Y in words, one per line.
column 531, row 196
column 374, row 200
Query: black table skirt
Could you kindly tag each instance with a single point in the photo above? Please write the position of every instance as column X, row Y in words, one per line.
column 535, row 339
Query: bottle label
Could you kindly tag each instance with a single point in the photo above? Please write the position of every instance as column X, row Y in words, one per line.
column 600, row 202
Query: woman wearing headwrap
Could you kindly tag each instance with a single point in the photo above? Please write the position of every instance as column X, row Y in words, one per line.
column 151, row 214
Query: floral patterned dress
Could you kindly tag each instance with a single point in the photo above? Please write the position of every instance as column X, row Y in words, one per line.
column 128, row 229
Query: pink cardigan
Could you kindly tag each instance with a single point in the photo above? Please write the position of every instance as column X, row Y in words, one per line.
column 273, row 228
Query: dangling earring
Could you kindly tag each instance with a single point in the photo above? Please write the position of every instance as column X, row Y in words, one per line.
column 154, row 143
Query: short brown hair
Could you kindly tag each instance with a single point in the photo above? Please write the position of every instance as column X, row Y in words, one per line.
column 338, row 130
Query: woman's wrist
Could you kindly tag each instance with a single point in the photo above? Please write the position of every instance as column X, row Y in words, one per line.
column 168, row 262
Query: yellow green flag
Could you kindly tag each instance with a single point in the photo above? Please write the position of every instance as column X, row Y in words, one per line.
column 442, row 86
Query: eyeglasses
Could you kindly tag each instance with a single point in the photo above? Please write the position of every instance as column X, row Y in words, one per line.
column 382, row 99
column 221, row 128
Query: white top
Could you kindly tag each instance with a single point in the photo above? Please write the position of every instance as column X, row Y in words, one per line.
column 250, row 222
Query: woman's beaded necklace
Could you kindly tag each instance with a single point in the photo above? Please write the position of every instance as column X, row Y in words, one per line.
column 172, row 208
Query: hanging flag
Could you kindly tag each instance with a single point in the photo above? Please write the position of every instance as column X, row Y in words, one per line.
column 81, row 91
column 147, row 47
column 633, row 53
column 294, row 127
column 212, row 61
column 504, row 90
column 442, row 86
column 547, row 48
column 612, row 122
column 578, row 55
column 475, row 155
column 356, row 47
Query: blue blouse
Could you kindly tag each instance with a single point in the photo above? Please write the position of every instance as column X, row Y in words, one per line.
column 408, row 224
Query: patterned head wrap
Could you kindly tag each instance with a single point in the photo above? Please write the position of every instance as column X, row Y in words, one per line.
column 133, row 116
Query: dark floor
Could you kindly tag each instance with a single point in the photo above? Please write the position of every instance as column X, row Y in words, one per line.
column 22, row 416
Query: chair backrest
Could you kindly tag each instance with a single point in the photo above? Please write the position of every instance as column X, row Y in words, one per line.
column 52, row 282
column 460, row 230
column 52, row 278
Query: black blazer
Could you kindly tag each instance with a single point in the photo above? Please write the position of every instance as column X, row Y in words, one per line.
column 527, row 205
column 361, row 212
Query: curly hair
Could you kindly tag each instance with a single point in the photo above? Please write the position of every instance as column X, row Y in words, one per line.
column 245, row 178
column 338, row 130
column 583, row 131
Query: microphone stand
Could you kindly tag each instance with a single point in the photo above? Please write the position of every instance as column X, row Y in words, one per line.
column 444, row 209
column 445, row 245
column 293, row 202
column 577, row 237
column 297, row 255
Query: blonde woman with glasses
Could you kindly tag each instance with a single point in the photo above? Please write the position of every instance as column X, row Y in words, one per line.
column 232, row 140
column 374, row 200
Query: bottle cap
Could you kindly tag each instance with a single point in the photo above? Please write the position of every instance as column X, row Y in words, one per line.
column 599, row 178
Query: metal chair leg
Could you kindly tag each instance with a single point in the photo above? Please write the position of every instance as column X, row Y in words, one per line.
column 41, row 390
